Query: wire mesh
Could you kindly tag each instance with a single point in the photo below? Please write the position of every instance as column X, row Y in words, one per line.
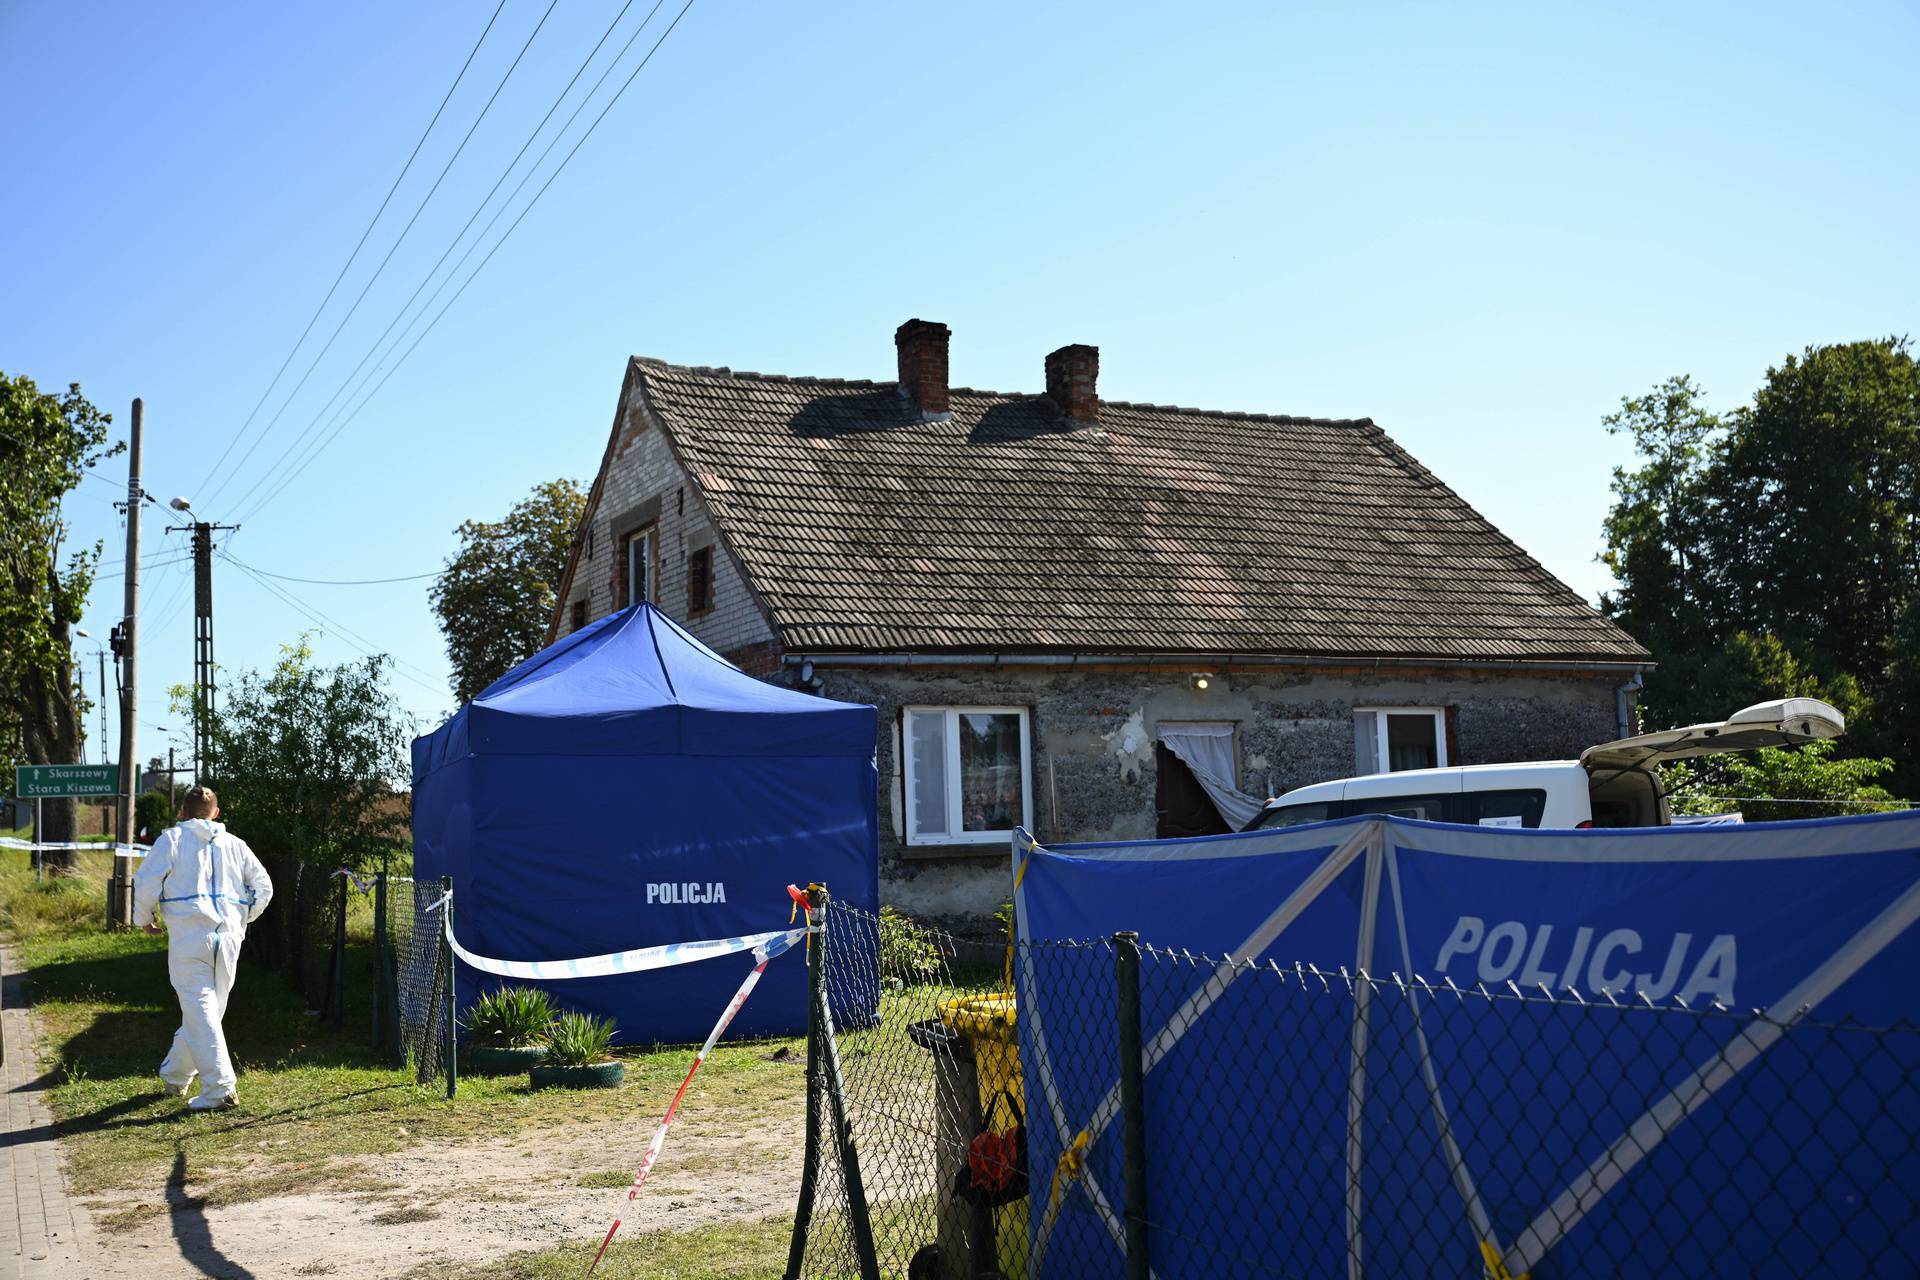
column 420, row 972
column 1306, row 1123
column 912, row 1087
column 1569, row 1137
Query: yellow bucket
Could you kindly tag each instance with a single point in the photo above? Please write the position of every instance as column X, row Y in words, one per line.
column 991, row 1027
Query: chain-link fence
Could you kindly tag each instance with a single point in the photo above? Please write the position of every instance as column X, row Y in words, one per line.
column 417, row 969
column 910, row 1086
column 1186, row 1116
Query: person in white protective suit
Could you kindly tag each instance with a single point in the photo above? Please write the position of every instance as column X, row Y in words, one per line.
column 206, row 884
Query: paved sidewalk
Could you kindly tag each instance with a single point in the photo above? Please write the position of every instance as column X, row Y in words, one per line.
column 40, row 1229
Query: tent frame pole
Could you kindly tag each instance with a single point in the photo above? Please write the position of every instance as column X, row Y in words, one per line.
column 1133, row 1102
column 453, row 1031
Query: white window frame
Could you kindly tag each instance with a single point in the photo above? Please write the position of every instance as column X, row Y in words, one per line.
column 642, row 539
column 1383, row 763
column 953, row 833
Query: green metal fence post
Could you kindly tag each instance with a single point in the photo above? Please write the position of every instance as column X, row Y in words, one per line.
column 810, row 1164
column 453, row 1032
column 379, row 963
column 1133, row 1107
column 337, row 971
column 835, row 1084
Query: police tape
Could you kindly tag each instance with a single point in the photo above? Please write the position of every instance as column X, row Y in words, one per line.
column 44, row 846
column 764, row 954
column 639, row 960
column 364, row 886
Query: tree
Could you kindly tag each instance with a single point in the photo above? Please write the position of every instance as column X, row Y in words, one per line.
column 309, row 761
column 496, row 595
column 1775, row 549
column 1656, row 532
column 1818, row 495
column 47, row 444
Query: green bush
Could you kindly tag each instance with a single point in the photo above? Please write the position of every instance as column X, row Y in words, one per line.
column 907, row 951
column 578, row 1040
column 511, row 1016
column 152, row 813
column 1774, row 784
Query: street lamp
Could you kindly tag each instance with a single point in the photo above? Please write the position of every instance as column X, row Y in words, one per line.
column 181, row 504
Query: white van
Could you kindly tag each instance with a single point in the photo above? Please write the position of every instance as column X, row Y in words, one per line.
column 1611, row 785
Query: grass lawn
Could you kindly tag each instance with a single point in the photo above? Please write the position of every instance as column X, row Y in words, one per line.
column 312, row 1098
column 721, row 1251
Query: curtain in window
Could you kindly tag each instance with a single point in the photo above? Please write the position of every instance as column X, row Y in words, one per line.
column 1207, row 749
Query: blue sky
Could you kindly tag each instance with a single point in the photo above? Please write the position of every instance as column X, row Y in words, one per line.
column 1479, row 225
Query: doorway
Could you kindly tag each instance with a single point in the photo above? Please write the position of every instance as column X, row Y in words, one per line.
column 1181, row 805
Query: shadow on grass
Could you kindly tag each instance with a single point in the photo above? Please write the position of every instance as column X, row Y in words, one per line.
column 191, row 1231
column 130, row 1038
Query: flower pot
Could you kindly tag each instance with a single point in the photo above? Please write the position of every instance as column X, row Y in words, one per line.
column 503, row 1059
column 594, row 1075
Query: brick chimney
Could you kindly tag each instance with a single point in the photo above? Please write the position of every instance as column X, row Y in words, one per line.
column 1072, row 377
column 922, row 346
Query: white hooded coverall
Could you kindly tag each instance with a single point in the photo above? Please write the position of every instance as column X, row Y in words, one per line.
column 208, row 886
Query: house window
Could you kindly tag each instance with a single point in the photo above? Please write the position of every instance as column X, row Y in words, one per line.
column 1392, row 739
column 700, row 581
column 636, row 550
column 966, row 774
column 579, row 615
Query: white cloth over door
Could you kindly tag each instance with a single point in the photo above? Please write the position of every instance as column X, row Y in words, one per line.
column 1207, row 749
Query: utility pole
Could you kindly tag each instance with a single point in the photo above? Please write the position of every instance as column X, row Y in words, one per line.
column 202, row 626
column 102, row 654
column 202, row 637
column 130, row 688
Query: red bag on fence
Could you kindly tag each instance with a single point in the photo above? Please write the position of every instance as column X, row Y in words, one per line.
column 996, row 1168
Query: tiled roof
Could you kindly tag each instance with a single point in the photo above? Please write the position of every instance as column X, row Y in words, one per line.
column 1159, row 530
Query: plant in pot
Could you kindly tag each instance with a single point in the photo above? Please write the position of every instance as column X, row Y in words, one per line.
column 579, row 1054
column 507, row 1031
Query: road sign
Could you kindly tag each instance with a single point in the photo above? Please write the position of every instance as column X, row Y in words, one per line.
column 58, row 781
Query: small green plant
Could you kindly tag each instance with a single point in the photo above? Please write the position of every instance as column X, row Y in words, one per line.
column 579, row 1040
column 907, row 951
column 511, row 1016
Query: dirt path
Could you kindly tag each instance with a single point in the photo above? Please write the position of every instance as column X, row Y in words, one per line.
column 449, row 1203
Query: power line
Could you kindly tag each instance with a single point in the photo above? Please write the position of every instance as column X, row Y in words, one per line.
column 266, row 498
column 306, row 432
column 360, row 642
column 394, row 248
column 166, row 612
column 147, row 560
column 362, row 243
column 339, row 582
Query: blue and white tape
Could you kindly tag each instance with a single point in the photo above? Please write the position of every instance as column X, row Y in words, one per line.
column 102, row 846
column 764, row 946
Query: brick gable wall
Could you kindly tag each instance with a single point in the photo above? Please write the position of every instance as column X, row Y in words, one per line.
column 645, row 485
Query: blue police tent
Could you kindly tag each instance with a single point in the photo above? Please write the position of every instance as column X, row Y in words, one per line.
column 1316, row 1124
column 627, row 787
